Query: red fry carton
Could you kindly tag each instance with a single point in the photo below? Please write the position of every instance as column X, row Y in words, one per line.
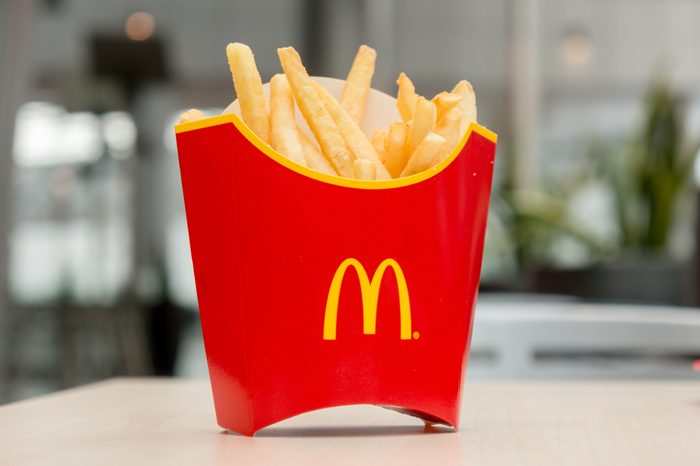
column 319, row 291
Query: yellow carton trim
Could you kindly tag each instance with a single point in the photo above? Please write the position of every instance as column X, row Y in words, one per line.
column 331, row 179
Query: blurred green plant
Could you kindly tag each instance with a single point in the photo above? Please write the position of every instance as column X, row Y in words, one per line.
column 648, row 182
column 535, row 219
column 647, row 175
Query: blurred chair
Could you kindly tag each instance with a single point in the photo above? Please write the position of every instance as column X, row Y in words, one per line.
column 525, row 339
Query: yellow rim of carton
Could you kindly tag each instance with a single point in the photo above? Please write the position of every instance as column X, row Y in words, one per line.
column 331, row 179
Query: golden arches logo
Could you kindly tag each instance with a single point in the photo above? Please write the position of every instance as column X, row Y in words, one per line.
column 370, row 298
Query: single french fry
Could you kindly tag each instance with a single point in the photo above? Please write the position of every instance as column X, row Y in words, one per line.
column 283, row 125
column 406, row 97
column 248, row 84
column 191, row 115
column 396, row 156
column 351, row 133
column 378, row 141
column 315, row 113
column 467, row 106
column 358, row 82
column 364, row 169
column 450, row 128
column 423, row 123
column 444, row 102
column 426, row 154
column 314, row 158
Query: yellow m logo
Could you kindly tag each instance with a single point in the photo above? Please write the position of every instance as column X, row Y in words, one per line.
column 370, row 297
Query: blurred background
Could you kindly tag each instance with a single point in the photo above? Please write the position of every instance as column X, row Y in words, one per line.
column 591, row 263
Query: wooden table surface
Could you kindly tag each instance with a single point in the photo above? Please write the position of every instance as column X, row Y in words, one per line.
column 171, row 422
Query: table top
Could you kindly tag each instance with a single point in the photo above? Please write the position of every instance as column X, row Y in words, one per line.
column 170, row 421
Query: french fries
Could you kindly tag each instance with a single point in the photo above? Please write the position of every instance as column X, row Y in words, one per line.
column 406, row 97
column 395, row 143
column 427, row 154
column 283, row 124
column 467, row 106
column 364, row 169
column 424, row 117
column 352, row 134
column 317, row 116
column 428, row 132
column 450, row 129
column 378, row 141
column 248, row 84
column 191, row 115
column 358, row 83
column 314, row 158
column 444, row 102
